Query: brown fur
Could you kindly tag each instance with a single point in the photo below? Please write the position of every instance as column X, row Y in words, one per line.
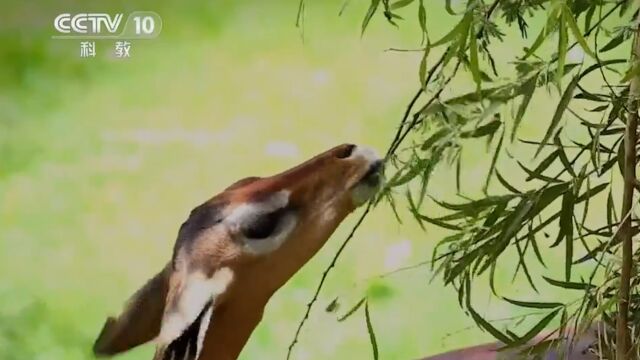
column 319, row 191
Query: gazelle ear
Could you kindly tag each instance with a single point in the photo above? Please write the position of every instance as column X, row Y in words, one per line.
column 140, row 320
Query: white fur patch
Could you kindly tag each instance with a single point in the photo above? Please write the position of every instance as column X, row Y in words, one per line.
column 197, row 292
column 366, row 153
column 204, row 326
column 244, row 211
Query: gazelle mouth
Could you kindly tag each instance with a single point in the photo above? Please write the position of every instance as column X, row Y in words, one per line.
column 368, row 184
column 373, row 176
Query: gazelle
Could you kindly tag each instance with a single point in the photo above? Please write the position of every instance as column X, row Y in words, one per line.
column 579, row 348
column 234, row 251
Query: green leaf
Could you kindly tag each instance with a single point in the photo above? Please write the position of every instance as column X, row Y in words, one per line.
column 457, row 31
column 416, row 166
column 477, row 205
column 512, row 224
column 497, row 212
column 522, row 262
column 533, row 175
column 439, row 223
column 372, row 335
column 370, row 12
column 352, row 310
column 506, row 183
column 566, row 228
column 612, row 217
column 563, row 155
column 422, row 71
column 422, row 18
column 548, row 195
column 588, row 16
column 458, row 171
column 544, row 164
column 601, row 64
column 534, row 304
column 400, row 4
column 527, row 90
column 494, row 160
column 535, row 330
column 485, row 325
column 534, row 244
column 577, row 34
column 447, row 6
column 591, row 192
column 614, row 42
column 333, row 306
column 552, row 22
column 568, row 284
column 473, row 60
column 557, row 116
column 563, row 42
column 484, row 130
column 434, row 139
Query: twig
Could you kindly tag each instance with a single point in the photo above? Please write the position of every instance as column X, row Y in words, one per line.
column 324, row 277
column 397, row 139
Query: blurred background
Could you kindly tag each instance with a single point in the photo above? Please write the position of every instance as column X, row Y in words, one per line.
column 101, row 159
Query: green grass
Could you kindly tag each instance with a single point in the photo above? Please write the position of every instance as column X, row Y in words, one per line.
column 102, row 160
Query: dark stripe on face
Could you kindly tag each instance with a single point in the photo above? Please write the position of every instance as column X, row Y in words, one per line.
column 200, row 218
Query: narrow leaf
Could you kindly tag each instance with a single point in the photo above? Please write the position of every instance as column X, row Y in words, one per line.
column 372, row 335
column 562, row 51
column 352, row 310
column 563, row 155
column 557, row 116
column 370, row 12
column 439, row 223
column 575, row 31
column 484, row 324
column 457, row 31
column 422, row 71
column 535, row 330
column 568, row 284
column 613, row 43
column 534, row 304
column 566, row 227
column 591, row 192
column 527, row 89
column 473, row 60
column 494, row 160
column 484, row 130
column 400, row 4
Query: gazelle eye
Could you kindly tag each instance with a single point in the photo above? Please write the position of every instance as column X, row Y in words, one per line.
column 262, row 226
column 345, row 151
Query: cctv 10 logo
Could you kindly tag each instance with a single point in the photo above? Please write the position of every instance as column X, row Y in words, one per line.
column 139, row 25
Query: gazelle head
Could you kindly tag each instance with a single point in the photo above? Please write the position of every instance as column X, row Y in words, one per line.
column 236, row 250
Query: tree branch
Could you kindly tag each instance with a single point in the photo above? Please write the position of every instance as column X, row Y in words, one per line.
column 623, row 339
column 324, row 277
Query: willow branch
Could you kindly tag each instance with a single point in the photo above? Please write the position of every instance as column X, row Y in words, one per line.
column 623, row 338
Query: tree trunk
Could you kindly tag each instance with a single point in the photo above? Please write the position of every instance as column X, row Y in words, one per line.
column 623, row 339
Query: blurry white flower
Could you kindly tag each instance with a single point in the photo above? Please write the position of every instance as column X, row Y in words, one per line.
column 575, row 55
column 397, row 254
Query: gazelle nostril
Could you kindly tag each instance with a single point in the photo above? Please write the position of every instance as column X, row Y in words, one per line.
column 346, row 151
